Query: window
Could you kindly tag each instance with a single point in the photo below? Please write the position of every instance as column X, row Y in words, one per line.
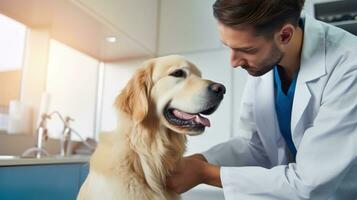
column 12, row 44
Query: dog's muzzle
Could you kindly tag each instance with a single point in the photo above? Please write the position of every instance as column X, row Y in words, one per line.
column 196, row 121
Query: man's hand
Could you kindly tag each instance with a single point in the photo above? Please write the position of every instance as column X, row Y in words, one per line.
column 192, row 171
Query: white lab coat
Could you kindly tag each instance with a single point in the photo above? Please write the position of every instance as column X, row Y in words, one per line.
column 323, row 125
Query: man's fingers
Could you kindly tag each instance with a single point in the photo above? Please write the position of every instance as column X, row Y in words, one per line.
column 197, row 156
column 187, row 174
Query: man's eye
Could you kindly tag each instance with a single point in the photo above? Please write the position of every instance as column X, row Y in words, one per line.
column 252, row 51
column 178, row 73
column 247, row 51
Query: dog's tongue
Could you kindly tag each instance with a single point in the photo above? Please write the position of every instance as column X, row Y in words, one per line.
column 202, row 120
column 186, row 116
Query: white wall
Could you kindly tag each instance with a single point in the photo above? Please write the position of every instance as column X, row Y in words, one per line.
column 116, row 75
column 186, row 26
column 72, row 86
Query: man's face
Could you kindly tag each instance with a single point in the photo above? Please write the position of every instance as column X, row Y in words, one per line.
column 256, row 54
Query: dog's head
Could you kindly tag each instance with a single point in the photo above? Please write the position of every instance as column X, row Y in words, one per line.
column 170, row 91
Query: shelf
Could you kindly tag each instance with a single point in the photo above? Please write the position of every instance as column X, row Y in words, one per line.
column 349, row 22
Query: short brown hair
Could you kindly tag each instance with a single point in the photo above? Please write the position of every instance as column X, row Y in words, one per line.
column 265, row 16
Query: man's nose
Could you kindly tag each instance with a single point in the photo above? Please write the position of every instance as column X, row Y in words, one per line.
column 236, row 59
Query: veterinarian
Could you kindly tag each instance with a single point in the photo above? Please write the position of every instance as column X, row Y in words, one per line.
column 298, row 120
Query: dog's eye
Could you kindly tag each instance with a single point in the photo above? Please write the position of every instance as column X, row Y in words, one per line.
column 178, row 73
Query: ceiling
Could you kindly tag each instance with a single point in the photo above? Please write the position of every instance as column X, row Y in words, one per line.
column 143, row 28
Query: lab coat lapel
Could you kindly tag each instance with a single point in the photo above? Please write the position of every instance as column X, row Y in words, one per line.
column 265, row 115
column 312, row 66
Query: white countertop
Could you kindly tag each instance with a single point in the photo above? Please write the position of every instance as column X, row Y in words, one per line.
column 54, row 159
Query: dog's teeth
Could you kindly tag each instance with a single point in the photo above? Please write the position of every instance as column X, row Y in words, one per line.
column 202, row 120
column 187, row 120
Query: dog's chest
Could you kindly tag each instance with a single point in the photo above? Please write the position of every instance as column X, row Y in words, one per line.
column 103, row 187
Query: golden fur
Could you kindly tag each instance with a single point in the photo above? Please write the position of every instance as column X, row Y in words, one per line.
column 133, row 161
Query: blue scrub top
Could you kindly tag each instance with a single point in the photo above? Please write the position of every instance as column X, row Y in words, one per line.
column 283, row 107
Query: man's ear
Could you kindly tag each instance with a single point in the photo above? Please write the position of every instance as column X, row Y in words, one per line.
column 285, row 34
column 134, row 98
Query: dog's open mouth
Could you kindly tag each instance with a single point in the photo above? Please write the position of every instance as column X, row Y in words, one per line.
column 189, row 120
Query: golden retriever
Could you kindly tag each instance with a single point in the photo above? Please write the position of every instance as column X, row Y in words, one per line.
column 159, row 106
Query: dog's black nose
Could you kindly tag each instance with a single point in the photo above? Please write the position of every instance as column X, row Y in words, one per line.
column 217, row 88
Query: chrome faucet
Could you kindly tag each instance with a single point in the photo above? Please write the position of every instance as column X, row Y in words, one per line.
column 42, row 131
column 66, row 142
column 42, row 136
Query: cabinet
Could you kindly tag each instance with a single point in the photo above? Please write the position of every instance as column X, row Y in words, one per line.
column 42, row 182
column 342, row 14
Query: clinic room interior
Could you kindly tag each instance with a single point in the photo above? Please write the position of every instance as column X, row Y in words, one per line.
column 63, row 63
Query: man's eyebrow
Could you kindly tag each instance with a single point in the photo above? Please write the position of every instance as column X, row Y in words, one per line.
column 240, row 48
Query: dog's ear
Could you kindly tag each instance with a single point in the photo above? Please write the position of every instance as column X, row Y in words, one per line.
column 134, row 98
